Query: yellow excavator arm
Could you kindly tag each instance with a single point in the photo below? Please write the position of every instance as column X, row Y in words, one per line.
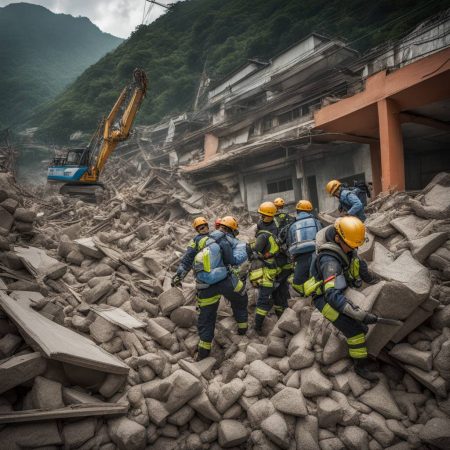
column 117, row 126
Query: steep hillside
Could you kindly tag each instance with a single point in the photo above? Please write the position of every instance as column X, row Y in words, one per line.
column 40, row 54
column 218, row 35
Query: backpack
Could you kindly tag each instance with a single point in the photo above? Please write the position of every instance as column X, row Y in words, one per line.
column 361, row 190
column 208, row 263
column 302, row 236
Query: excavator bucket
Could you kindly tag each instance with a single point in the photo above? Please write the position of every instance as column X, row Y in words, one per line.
column 88, row 192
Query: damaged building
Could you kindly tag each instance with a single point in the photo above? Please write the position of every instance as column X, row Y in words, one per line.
column 267, row 129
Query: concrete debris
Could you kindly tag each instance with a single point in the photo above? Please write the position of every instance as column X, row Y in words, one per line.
column 100, row 331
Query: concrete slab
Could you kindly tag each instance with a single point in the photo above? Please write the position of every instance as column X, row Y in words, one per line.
column 118, row 317
column 39, row 264
column 57, row 342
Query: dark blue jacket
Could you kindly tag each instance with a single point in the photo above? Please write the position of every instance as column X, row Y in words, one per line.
column 351, row 204
column 188, row 258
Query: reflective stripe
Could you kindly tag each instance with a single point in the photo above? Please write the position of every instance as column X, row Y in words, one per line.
column 206, row 261
column 330, row 313
column 358, row 339
column 239, row 286
column 279, row 308
column 205, row 345
column 192, row 244
column 287, row 266
column 261, row 312
column 208, row 301
column 202, row 242
column 274, row 248
column 329, row 285
column 242, row 324
column 312, row 286
column 358, row 352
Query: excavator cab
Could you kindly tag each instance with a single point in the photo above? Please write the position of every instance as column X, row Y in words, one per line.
column 80, row 168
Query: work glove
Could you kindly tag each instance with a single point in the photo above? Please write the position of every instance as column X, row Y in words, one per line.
column 178, row 278
column 370, row 319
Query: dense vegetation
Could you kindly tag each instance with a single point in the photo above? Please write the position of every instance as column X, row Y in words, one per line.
column 219, row 35
column 41, row 53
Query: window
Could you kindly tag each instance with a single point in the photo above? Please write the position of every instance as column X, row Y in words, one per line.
column 282, row 185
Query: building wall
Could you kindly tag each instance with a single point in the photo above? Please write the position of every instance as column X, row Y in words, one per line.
column 343, row 161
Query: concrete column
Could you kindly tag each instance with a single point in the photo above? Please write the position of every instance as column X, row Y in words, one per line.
column 375, row 160
column 211, row 145
column 391, row 143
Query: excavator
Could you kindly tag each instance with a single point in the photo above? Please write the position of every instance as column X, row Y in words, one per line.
column 79, row 168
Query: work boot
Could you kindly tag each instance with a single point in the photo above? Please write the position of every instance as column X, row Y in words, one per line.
column 362, row 369
column 242, row 331
column 202, row 353
column 259, row 320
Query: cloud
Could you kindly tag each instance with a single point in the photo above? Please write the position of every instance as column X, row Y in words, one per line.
column 117, row 17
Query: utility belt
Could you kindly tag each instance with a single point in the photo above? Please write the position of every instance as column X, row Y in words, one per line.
column 313, row 287
column 264, row 272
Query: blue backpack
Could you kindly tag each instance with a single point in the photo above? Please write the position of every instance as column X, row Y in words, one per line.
column 302, row 236
column 208, row 263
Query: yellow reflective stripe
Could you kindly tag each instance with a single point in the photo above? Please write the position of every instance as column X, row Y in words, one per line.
column 311, row 286
column 204, row 344
column 358, row 339
column 206, row 261
column 242, row 324
column 279, row 308
column 330, row 313
column 239, row 286
column 202, row 242
column 261, row 312
column 191, row 244
column 358, row 352
column 273, row 245
column 208, row 301
column 298, row 287
column 329, row 285
column 288, row 266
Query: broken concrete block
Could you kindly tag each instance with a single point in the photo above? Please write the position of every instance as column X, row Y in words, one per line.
column 335, row 349
column 6, row 221
column 264, row 373
column 255, row 352
column 182, row 416
column 430, row 379
column 380, row 399
column 103, row 270
column 314, row 383
column 380, row 225
column 119, row 297
column 229, row 394
column 441, row 318
column 276, row 346
column 184, row 387
column 301, row 358
column 379, row 335
column 437, row 433
column 111, row 384
column 127, row 434
column 231, row 433
column 24, row 215
column 170, row 300
column 102, row 330
column 290, row 401
column 253, row 386
column 160, row 334
column 157, row 412
column 441, row 361
column 259, row 411
column 75, row 434
column 410, row 226
column 289, row 321
column 10, row 205
column 47, row 394
column 30, row 435
column 184, row 316
column 275, row 428
column 19, row 369
column 376, row 426
column 97, row 292
column 329, row 412
column 307, row 433
column 423, row 247
column 9, row 344
column 203, row 406
column 409, row 355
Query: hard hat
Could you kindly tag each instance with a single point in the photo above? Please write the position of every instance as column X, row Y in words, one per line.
column 230, row 222
column 333, row 186
column 199, row 221
column 351, row 230
column 304, row 205
column 279, row 202
column 267, row 209
column 217, row 222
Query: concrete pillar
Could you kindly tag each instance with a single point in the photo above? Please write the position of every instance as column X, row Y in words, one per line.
column 375, row 160
column 211, row 145
column 391, row 143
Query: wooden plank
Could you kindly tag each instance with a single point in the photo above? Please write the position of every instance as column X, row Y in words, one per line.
column 39, row 263
column 118, row 317
column 79, row 410
column 56, row 341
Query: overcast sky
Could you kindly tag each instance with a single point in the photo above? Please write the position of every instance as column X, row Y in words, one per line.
column 118, row 17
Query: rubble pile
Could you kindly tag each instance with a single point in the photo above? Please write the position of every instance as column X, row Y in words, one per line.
column 97, row 349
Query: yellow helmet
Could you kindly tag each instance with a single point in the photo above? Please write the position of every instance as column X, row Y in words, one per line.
column 333, row 186
column 304, row 205
column 230, row 222
column 279, row 202
column 199, row 221
column 351, row 230
column 267, row 209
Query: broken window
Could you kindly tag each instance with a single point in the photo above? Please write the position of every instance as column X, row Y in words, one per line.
column 281, row 185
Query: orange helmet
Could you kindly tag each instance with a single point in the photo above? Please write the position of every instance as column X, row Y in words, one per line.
column 333, row 186
column 279, row 202
column 267, row 209
column 199, row 221
column 230, row 222
column 304, row 205
column 351, row 230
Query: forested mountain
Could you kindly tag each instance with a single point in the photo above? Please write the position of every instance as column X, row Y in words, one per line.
column 41, row 53
column 218, row 36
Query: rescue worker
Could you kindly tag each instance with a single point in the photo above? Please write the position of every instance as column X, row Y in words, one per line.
column 216, row 253
column 217, row 223
column 301, row 243
column 282, row 218
column 264, row 269
column 200, row 225
column 335, row 267
column 349, row 203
